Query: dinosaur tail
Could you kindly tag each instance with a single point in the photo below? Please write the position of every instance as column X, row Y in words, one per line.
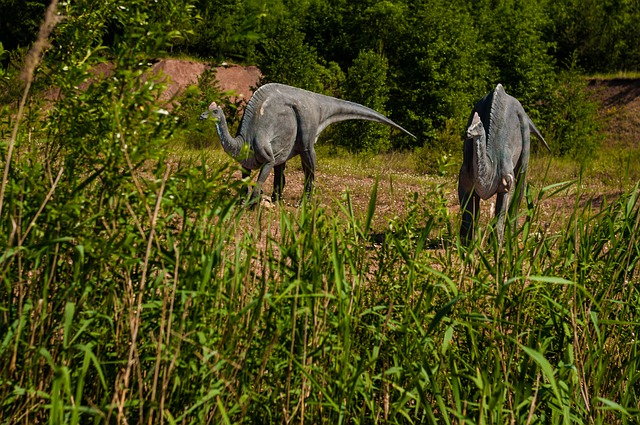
column 535, row 132
column 343, row 110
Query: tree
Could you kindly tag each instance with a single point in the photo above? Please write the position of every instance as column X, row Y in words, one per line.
column 601, row 35
column 440, row 69
column 366, row 84
column 512, row 32
column 286, row 58
column 20, row 21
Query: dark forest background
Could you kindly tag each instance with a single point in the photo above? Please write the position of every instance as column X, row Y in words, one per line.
column 424, row 63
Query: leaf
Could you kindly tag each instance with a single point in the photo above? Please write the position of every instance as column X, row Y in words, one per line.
column 612, row 405
column 550, row 279
column 69, row 312
column 372, row 207
column 548, row 372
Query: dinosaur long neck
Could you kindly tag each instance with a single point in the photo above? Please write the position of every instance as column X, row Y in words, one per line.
column 231, row 145
column 483, row 167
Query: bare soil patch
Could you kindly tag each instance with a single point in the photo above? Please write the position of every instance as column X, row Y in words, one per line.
column 620, row 108
column 239, row 80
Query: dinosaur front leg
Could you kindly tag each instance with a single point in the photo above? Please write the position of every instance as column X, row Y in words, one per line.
column 309, row 168
column 502, row 203
column 470, row 207
column 257, row 189
column 278, row 182
column 505, row 197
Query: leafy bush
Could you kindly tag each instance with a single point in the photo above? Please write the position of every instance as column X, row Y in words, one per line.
column 571, row 119
column 366, row 84
column 288, row 59
column 193, row 102
column 441, row 70
column 443, row 155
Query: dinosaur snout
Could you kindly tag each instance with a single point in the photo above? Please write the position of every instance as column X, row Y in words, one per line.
column 204, row 116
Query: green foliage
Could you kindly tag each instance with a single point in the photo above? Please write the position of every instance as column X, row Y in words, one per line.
column 444, row 69
column 571, row 118
column 194, row 101
column 21, row 19
column 512, row 36
column 441, row 156
column 602, row 36
column 288, row 59
column 366, row 84
column 226, row 29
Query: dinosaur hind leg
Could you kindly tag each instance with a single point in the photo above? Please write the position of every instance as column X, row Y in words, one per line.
column 257, row 189
column 278, row 182
column 309, row 166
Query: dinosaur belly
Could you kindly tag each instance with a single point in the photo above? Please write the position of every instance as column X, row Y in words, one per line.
column 485, row 191
column 250, row 163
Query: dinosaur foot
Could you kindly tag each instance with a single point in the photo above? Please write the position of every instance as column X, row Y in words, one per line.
column 267, row 202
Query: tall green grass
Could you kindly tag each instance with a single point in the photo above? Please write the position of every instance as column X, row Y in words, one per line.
column 136, row 289
column 195, row 313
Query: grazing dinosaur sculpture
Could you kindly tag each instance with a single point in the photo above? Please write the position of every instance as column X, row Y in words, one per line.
column 281, row 122
column 496, row 156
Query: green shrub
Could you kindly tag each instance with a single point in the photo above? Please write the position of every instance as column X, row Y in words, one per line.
column 570, row 120
column 193, row 102
column 443, row 154
column 366, row 84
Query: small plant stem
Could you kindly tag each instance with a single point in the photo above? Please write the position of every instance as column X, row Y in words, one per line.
column 31, row 62
column 135, row 321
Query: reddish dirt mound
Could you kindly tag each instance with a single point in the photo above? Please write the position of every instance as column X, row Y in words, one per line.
column 620, row 102
column 182, row 73
column 239, row 80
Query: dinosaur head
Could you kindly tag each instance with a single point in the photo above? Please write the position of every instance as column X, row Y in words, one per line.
column 213, row 109
column 476, row 129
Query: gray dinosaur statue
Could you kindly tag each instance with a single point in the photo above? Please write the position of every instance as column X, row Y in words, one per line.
column 281, row 122
column 496, row 156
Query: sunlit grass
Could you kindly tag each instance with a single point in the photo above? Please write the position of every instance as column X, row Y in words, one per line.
column 616, row 75
column 299, row 314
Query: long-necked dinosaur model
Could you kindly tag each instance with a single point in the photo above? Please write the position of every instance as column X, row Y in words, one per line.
column 496, row 156
column 281, row 122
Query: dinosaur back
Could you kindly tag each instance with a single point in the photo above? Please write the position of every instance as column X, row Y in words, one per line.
column 315, row 109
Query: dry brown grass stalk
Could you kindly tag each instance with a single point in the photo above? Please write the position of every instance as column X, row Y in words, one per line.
column 32, row 60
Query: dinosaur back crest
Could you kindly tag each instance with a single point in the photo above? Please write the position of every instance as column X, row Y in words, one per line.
column 498, row 109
